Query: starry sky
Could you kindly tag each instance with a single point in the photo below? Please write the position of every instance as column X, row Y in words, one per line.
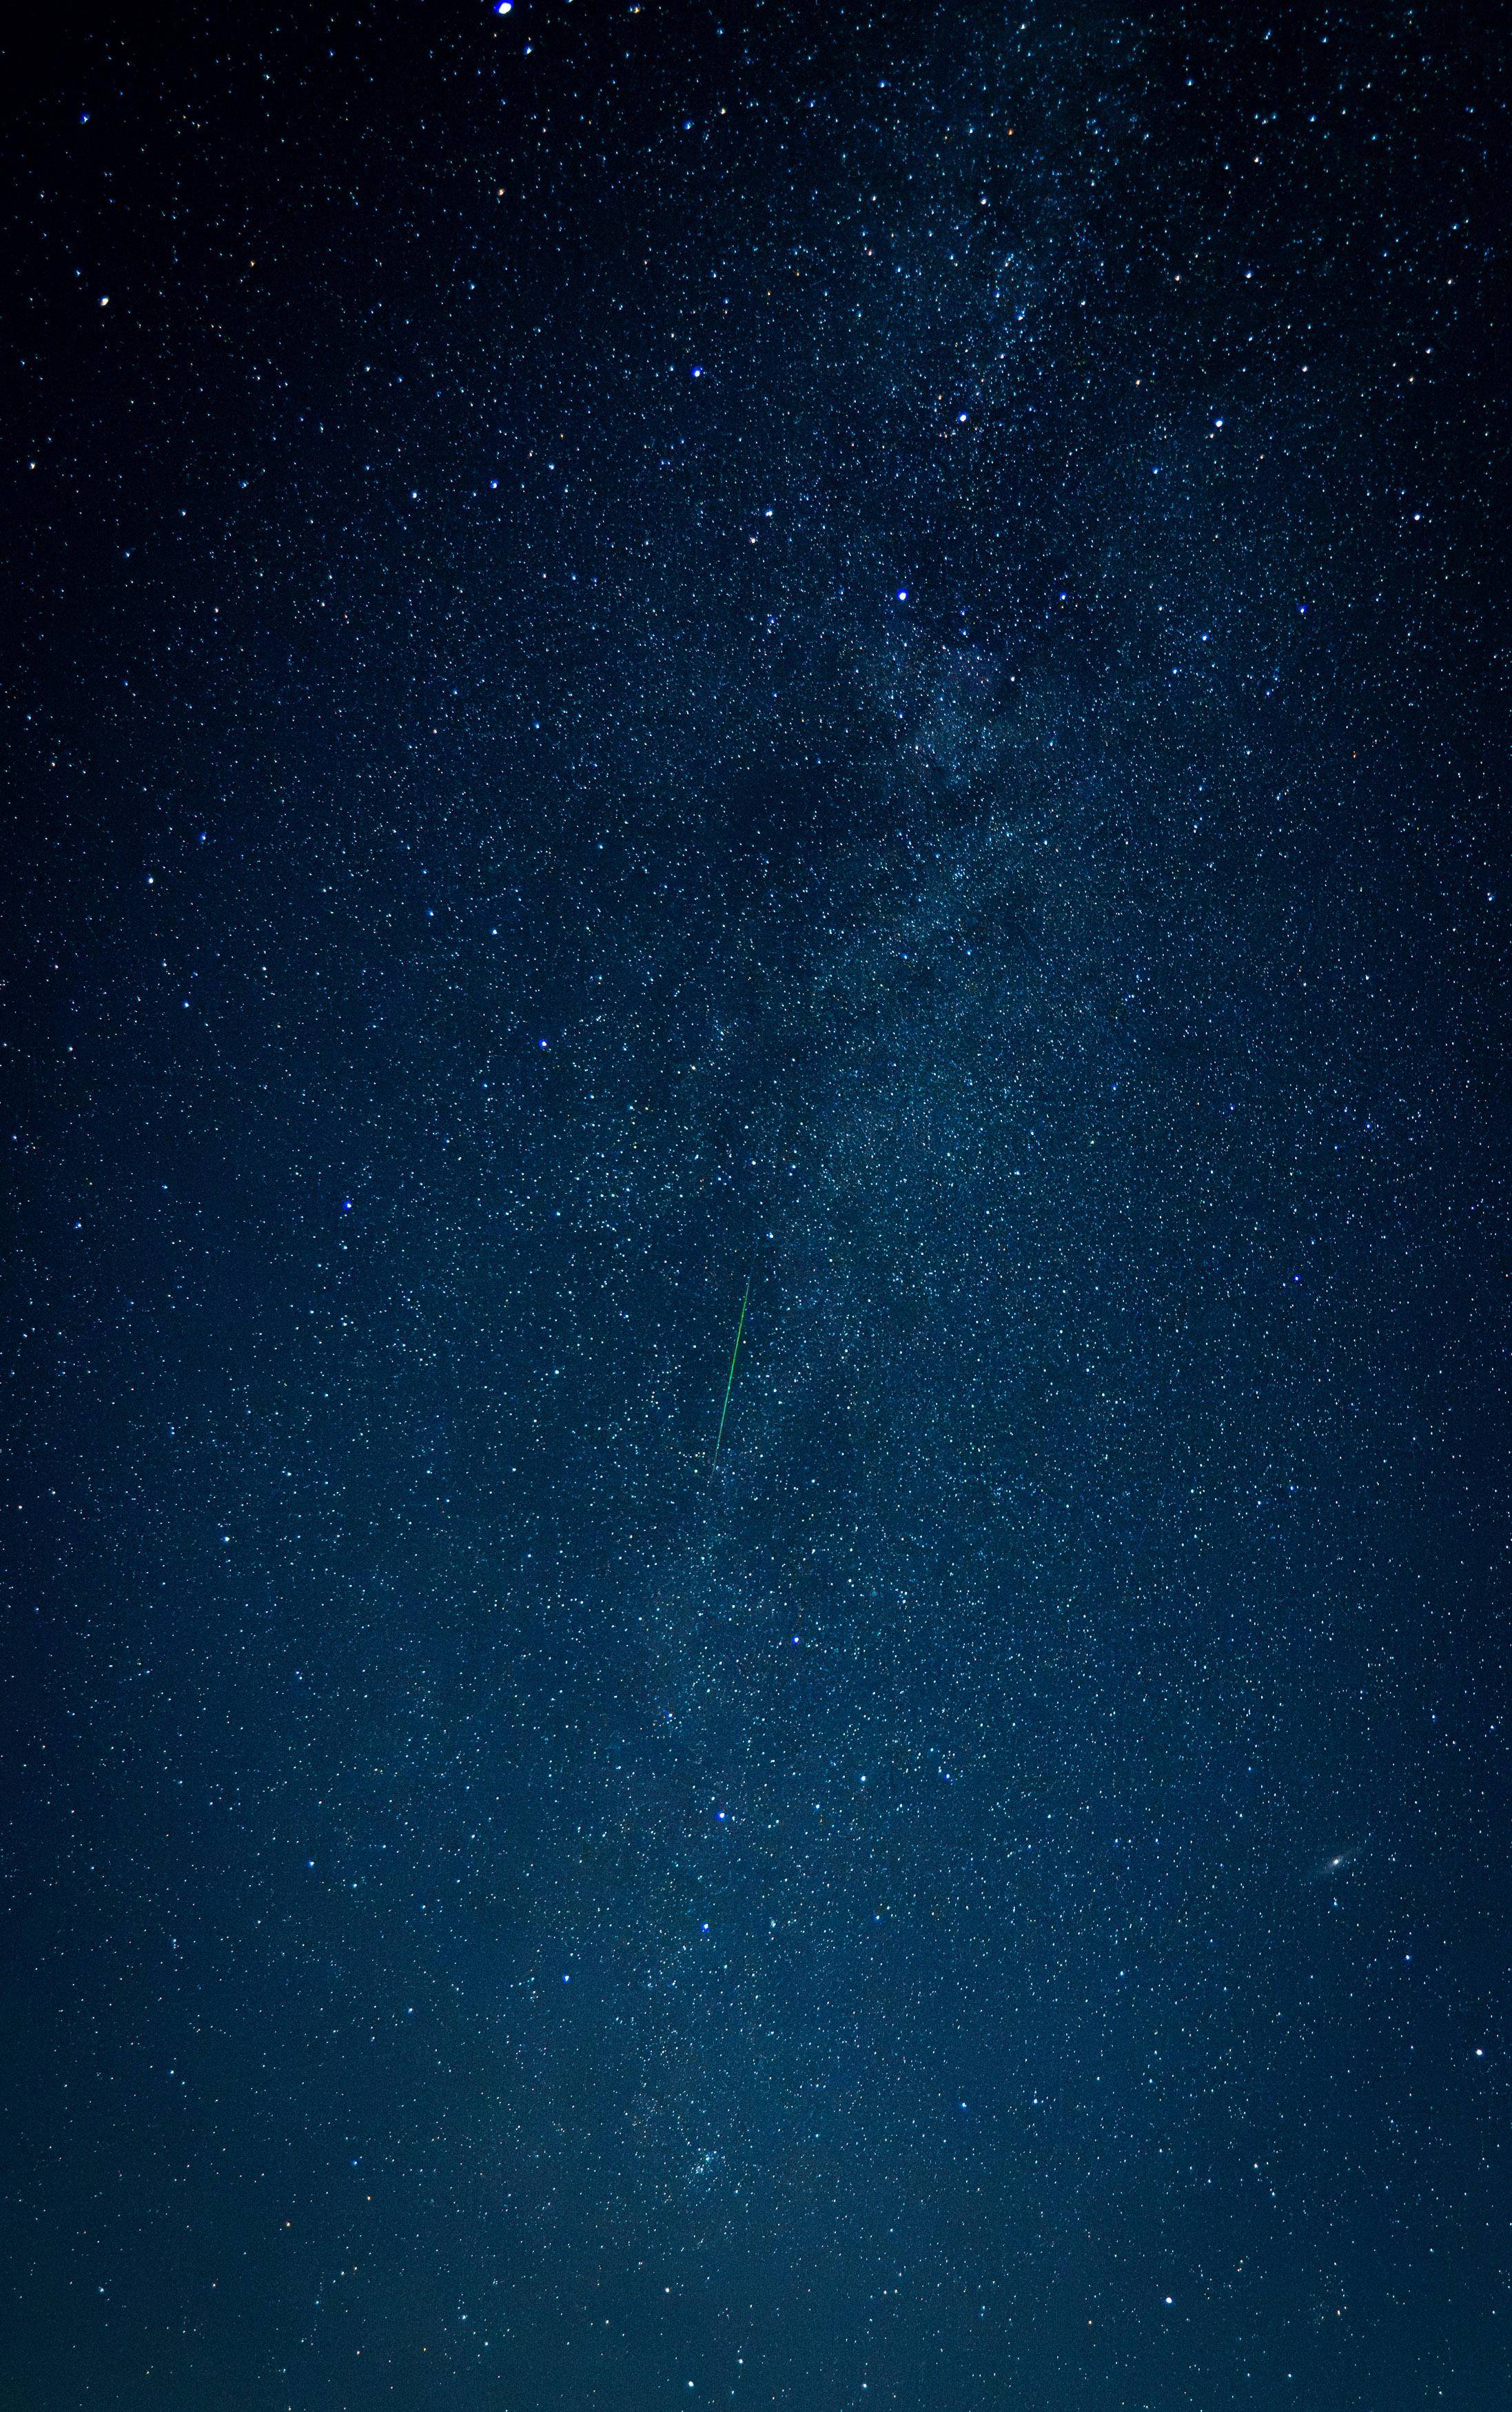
column 860, row 649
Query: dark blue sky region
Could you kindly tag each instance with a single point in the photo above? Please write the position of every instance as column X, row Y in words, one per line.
column 855, row 649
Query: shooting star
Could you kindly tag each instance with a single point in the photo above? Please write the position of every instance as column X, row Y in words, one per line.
column 740, row 1333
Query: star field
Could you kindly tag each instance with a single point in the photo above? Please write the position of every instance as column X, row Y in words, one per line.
column 858, row 649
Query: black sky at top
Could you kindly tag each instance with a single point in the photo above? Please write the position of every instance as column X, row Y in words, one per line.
column 865, row 647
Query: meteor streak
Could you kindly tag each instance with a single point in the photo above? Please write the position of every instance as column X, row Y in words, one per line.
column 729, row 1386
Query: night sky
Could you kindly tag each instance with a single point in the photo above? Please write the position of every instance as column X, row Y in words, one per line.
column 861, row 649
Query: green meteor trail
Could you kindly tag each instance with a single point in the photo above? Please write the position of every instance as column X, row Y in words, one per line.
column 730, row 1384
